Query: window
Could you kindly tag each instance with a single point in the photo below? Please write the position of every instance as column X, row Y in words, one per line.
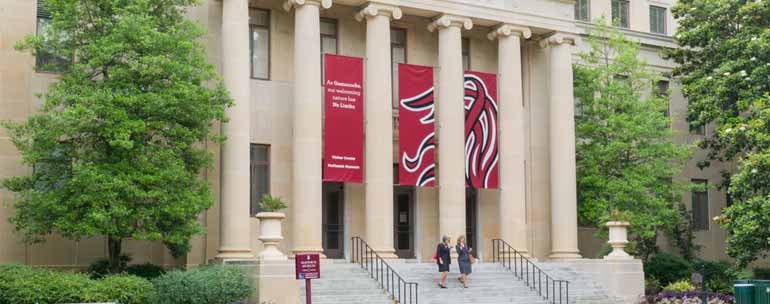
column 620, row 13
column 397, row 55
column 582, row 10
column 260, row 175
column 700, row 205
column 259, row 28
column 657, row 19
column 328, row 40
column 466, row 54
column 46, row 60
column 662, row 92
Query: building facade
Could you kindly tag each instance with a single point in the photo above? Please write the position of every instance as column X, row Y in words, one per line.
column 270, row 55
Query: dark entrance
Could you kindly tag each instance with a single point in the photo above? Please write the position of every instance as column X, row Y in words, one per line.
column 333, row 220
column 471, row 201
column 403, row 217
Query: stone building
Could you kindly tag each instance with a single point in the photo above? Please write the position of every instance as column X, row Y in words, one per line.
column 269, row 53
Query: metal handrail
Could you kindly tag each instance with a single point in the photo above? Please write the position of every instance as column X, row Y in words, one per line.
column 399, row 289
column 529, row 273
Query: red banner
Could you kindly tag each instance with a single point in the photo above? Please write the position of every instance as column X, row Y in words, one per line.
column 416, row 131
column 343, row 119
column 481, row 132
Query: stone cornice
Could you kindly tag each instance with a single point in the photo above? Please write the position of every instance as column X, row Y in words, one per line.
column 506, row 29
column 559, row 38
column 289, row 4
column 445, row 21
column 372, row 9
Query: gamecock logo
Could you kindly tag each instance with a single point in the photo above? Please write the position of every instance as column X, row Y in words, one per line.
column 421, row 103
column 480, row 133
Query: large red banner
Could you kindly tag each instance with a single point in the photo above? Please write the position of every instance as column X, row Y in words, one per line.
column 343, row 119
column 481, row 132
column 416, row 131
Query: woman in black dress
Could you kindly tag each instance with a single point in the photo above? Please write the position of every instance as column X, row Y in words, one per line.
column 443, row 260
column 464, row 260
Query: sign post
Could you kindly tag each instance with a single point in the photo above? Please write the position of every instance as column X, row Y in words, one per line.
column 307, row 266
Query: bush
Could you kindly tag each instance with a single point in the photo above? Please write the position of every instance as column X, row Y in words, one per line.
column 26, row 285
column 762, row 273
column 206, row 285
column 101, row 267
column 146, row 270
column 683, row 285
column 720, row 276
column 667, row 268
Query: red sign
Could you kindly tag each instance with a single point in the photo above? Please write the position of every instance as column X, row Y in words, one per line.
column 481, row 132
column 416, row 130
column 343, row 119
column 307, row 266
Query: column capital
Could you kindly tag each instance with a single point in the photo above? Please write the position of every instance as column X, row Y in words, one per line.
column 559, row 38
column 445, row 21
column 373, row 9
column 506, row 29
column 289, row 4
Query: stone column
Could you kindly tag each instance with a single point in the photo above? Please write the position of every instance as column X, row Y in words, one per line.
column 307, row 123
column 378, row 187
column 451, row 124
column 513, row 204
column 234, row 239
column 564, row 236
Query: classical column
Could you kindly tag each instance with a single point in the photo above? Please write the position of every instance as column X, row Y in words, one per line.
column 513, row 205
column 451, row 124
column 307, row 123
column 378, row 185
column 564, row 242
column 234, row 239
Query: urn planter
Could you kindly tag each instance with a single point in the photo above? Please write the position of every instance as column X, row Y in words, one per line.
column 618, row 240
column 270, row 235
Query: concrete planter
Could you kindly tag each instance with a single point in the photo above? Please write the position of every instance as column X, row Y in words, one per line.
column 618, row 240
column 270, row 235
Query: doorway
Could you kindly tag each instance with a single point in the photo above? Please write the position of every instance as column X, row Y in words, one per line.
column 403, row 222
column 471, row 202
column 333, row 212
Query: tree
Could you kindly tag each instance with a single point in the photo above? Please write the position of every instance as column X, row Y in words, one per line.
column 724, row 69
column 116, row 147
column 626, row 159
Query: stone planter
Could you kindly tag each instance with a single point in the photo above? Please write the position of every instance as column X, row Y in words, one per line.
column 270, row 235
column 618, row 240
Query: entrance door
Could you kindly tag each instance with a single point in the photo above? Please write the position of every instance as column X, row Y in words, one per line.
column 471, row 201
column 333, row 220
column 403, row 217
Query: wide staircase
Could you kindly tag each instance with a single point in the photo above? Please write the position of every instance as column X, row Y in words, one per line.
column 376, row 281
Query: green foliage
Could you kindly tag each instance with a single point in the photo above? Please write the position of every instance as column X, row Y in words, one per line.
column 146, row 270
column 681, row 285
column 761, row 273
column 682, row 234
column 116, row 145
column 651, row 286
column 26, row 285
column 667, row 268
column 207, row 285
column 101, row 267
column 724, row 70
column 271, row 203
column 625, row 155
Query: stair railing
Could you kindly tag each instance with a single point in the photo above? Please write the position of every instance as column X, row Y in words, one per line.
column 399, row 289
column 554, row 291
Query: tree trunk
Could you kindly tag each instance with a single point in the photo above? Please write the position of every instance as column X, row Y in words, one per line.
column 114, row 247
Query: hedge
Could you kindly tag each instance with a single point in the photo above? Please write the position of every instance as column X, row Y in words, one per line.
column 205, row 285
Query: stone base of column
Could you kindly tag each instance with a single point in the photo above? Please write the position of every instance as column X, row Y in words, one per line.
column 235, row 256
column 565, row 255
column 275, row 283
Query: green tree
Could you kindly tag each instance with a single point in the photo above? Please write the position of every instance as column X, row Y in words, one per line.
column 626, row 159
column 724, row 69
column 116, row 147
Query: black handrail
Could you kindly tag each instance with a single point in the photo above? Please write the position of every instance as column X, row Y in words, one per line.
column 398, row 289
column 529, row 273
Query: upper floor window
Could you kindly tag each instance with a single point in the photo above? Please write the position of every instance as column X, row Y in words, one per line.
column 657, row 19
column 47, row 60
column 662, row 91
column 397, row 55
column 328, row 39
column 466, row 54
column 700, row 205
column 260, row 175
column 259, row 28
column 582, row 11
column 620, row 13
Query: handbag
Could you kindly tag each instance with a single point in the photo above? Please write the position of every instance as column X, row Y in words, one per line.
column 435, row 255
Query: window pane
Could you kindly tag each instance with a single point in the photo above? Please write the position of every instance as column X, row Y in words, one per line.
column 398, row 37
column 328, row 27
column 329, row 45
column 260, row 175
column 259, row 17
column 260, row 52
column 466, row 54
column 700, row 206
column 399, row 56
column 581, row 10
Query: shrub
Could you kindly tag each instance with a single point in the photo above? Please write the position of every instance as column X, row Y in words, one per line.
column 762, row 273
column 683, row 285
column 667, row 268
column 101, row 267
column 206, row 285
column 146, row 270
column 651, row 286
